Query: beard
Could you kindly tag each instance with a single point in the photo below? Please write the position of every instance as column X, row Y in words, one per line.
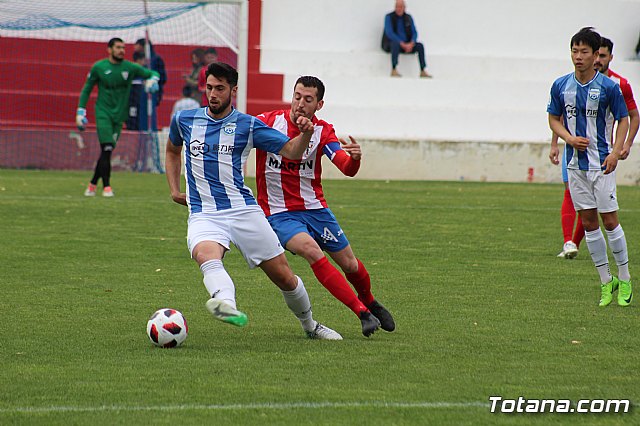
column 116, row 59
column 220, row 109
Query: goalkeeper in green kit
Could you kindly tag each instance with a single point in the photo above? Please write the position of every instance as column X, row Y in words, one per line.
column 113, row 76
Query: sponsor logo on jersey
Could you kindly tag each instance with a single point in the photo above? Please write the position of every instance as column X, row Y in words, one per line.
column 224, row 149
column 594, row 93
column 197, row 148
column 290, row 165
column 592, row 112
column 570, row 111
column 125, row 75
column 229, row 128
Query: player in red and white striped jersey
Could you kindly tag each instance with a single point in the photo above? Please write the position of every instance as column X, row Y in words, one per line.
column 290, row 194
column 605, row 56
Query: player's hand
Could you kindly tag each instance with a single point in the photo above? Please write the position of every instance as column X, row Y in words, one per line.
column 554, row 154
column 624, row 154
column 151, row 85
column 352, row 148
column 304, row 124
column 578, row 142
column 180, row 198
column 81, row 118
column 610, row 163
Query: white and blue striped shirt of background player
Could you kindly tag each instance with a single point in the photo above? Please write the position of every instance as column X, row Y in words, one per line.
column 588, row 111
column 215, row 152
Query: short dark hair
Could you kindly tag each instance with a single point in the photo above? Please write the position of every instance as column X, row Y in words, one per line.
column 138, row 55
column 310, row 81
column 588, row 36
column 211, row 50
column 186, row 91
column 114, row 41
column 199, row 53
column 221, row 70
column 142, row 42
column 605, row 42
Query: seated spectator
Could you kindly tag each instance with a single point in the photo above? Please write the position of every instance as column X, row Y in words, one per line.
column 400, row 36
column 210, row 56
column 186, row 102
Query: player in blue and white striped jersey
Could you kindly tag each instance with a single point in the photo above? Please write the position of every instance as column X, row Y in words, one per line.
column 582, row 107
column 222, row 210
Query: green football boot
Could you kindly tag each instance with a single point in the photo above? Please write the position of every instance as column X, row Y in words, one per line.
column 625, row 294
column 226, row 313
column 606, row 291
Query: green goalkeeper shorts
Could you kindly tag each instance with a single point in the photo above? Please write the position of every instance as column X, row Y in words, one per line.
column 108, row 131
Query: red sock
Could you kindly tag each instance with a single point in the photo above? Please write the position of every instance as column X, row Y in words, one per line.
column 568, row 216
column 578, row 233
column 333, row 281
column 362, row 283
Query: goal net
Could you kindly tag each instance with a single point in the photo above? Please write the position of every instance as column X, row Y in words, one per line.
column 47, row 48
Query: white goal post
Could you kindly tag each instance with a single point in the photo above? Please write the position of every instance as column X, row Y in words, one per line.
column 240, row 47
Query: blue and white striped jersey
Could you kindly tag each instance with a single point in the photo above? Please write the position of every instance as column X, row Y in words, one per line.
column 215, row 152
column 587, row 110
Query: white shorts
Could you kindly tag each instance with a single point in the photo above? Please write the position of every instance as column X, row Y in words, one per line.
column 246, row 227
column 593, row 190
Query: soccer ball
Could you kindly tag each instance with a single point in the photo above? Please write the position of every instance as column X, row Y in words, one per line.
column 167, row 328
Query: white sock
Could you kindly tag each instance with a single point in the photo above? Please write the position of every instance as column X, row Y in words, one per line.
column 618, row 244
column 218, row 282
column 598, row 250
column 298, row 301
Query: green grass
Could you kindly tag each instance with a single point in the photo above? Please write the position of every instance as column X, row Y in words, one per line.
column 483, row 307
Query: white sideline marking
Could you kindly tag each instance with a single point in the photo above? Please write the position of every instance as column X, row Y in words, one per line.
column 261, row 406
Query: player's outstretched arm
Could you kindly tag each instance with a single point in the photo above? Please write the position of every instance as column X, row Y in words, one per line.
column 81, row 112
column 611, row 162
column 352, row 148
column 347, row 159
column 173, row 163
column 81, row 118
column 152, row 84
column 634, row 125
column 296, row 146
column 554, row 152
column 578, row 142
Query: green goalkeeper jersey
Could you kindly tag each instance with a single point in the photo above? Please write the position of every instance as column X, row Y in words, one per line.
column 114, row 85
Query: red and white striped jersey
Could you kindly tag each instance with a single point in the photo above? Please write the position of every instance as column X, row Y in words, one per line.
column 293, row 185
column 626, row 89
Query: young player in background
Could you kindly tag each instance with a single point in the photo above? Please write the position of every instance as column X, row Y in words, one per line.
column 568, row 213
column 222, row 210
column 290, row 194
column 582, row 107
column 113, row 76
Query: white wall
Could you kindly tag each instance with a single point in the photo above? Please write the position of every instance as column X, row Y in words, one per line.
column 529, row 28
column 493, row 61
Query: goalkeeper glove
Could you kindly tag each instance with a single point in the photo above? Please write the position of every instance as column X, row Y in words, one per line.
column 151, row 85
column 81, row 118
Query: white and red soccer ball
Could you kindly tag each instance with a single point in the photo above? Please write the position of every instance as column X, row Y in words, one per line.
column 167, row 328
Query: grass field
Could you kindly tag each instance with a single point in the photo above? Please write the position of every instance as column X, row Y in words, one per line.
column 482, row 304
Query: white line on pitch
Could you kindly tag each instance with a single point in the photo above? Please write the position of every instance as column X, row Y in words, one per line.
column 261, row 406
